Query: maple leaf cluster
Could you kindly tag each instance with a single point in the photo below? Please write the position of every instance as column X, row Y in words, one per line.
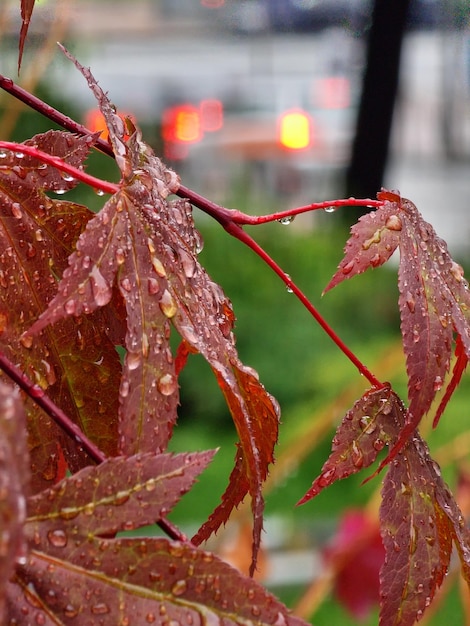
column 73, row 286
column 419, row 517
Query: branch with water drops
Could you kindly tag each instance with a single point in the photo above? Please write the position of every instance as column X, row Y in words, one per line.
column 231, row 220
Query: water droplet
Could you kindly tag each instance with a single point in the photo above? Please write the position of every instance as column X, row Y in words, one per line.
column 410, row 302
column 158, row 267
column 394, row 223
column 436, row 468
column 168, row 305
column 405, row 489
column 99, row 192
column 153, row 286
column 57, row 538
column 457, row 271
column 368, row 425
column 285, row 221
column 68, row 513
column 51, row 378
column 430, row 540
column 379, row 444
column 330, row 209
column 167, row 384
column 255, row 610
column 155, row 577
column 150, row 618
column 326, row 477
column 40, row 619
column 133, row 360
column 126, row 285
column 100, row 609
column 16, row 210
column 188, row 263
column 67, row 177
column 70, row 307
column 356, row 455
column 3, row 154
column 348, row 268
column 198, row 242
column 102, row 292
column 280, row 620
column 120, row 256
column 26, row 341
column 70, row 611
column 288, row 286
column 413, row 539
column 437, row 383
column 179, row 588
column 19, row 155
column 60, row 191
column 36, row 391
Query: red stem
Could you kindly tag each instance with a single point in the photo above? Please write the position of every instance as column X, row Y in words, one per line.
column 253, row 220
column 237, row 231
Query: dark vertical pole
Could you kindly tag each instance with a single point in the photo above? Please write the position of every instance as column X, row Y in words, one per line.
column 370, row 148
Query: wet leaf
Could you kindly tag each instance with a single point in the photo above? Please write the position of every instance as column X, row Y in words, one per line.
column 419, row 517
column 144, row 581
column 434, row 295
column 74, row 572
column 75, row 362
column 365, row 430
column 122, row 493
column 420, row 520
column 14, row 484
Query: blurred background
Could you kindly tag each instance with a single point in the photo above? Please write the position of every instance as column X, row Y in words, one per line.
column 263, row 105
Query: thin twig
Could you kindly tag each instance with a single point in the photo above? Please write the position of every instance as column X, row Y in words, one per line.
column 237, row 231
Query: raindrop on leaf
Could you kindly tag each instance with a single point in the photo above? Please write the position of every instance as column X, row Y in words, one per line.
column 26, row 341
column 153, row 286
column 133, row 360
column 100, row 609
column 167, row 384
column 348, row 268
column 168, row 305
column 57, row 538
column 179, row 588
column 101, row 290
column 357, row 455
